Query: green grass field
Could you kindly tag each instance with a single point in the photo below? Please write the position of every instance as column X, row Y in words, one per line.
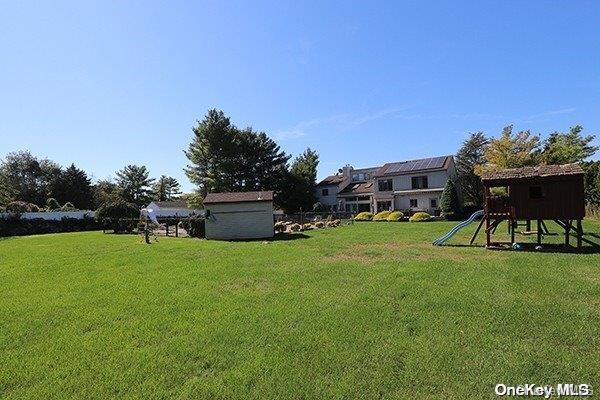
column 364, row 311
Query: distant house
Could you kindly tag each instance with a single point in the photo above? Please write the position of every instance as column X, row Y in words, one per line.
column 174, row 208
column 415, row 185
column 244, row 215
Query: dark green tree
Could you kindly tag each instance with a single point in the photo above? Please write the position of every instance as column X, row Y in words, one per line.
column 28, row 178
column 300, row 183
column 6, row 193
column 72, row 186
column 469, row 157
column 592, row 182
column 212, row 153
column 566, row 148
column 450, row 203
column 135, row 184
column 105, row 191
column 52, row 204
column 166, row 188
column 224, row 158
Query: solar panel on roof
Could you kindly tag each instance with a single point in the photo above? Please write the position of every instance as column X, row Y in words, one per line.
column 415, row 165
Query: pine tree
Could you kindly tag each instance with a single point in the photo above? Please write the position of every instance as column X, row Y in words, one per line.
column 135, row 184
column 72, row 186
column 450, row 203
column 166, row 188
column 470, row 157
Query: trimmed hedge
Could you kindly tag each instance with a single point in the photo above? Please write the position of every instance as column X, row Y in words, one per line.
column 24, row 227
column 420, row 217
column 395, row 216
column 364, row 216
column 381, row 216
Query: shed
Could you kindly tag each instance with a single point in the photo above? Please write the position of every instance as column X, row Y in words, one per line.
column 546, row 192
column 243, row 215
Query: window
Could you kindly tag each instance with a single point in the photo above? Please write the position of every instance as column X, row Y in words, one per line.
column 536, row 192
column 433, row 203
column 413, row 203
column 419, row 182
column 325, row 192
column 354, row 177
column 384, row 206
column 385, row 185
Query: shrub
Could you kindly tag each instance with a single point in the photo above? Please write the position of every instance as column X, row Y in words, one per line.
column 420, row 217
column 364, row 216
column 52, row 204
column 195, row 226
column 21, row 227
column 395, row 216
column 307, row 227
column 319, row 224
column 279, row 226
column 381, row 216
column 336, row 222
column 68, row 206
column 295, row 227
column 21, row 207
column 450, row 203
column 119, row 215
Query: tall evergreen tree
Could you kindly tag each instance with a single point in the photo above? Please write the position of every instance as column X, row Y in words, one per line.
column 300, row 183
column 72, row 186
column 566, row 148
column 212, row 153
column 135, row 184
column 166, row 188
column 450, row 203
column 6, row 193
column 469, row 157
column 224, row 158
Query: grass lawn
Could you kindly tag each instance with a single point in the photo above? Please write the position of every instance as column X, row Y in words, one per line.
column 368, row 311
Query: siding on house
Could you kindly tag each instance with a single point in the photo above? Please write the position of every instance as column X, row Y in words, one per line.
column 244, row 220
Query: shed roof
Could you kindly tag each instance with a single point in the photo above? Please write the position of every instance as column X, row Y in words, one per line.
column 542, row 171
column 238, row 197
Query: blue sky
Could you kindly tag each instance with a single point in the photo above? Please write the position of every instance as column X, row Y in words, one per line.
column 103, row 84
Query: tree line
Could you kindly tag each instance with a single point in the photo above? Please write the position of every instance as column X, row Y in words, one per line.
column 480, row 153
column 225, row 158
column 44, row 184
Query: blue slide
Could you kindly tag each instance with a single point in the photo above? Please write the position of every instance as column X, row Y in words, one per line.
column 447, row 236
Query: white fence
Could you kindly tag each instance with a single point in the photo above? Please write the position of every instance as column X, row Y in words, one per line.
column 52, row 215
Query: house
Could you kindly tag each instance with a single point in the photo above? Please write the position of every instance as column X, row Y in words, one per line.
column 244, row 215
column 415, row 185
column 173, row 208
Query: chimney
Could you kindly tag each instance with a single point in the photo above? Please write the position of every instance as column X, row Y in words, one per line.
column 347, row 171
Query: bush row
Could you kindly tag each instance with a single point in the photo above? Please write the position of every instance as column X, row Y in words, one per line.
column 23, row 227
column 282, row 226
column 391, row 216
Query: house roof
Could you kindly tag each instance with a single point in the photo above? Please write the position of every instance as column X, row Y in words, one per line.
column 171, row 204
column 331, row 180
column 423, row 164
column 238, row 197
column 356, row 188
column 542, row 171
